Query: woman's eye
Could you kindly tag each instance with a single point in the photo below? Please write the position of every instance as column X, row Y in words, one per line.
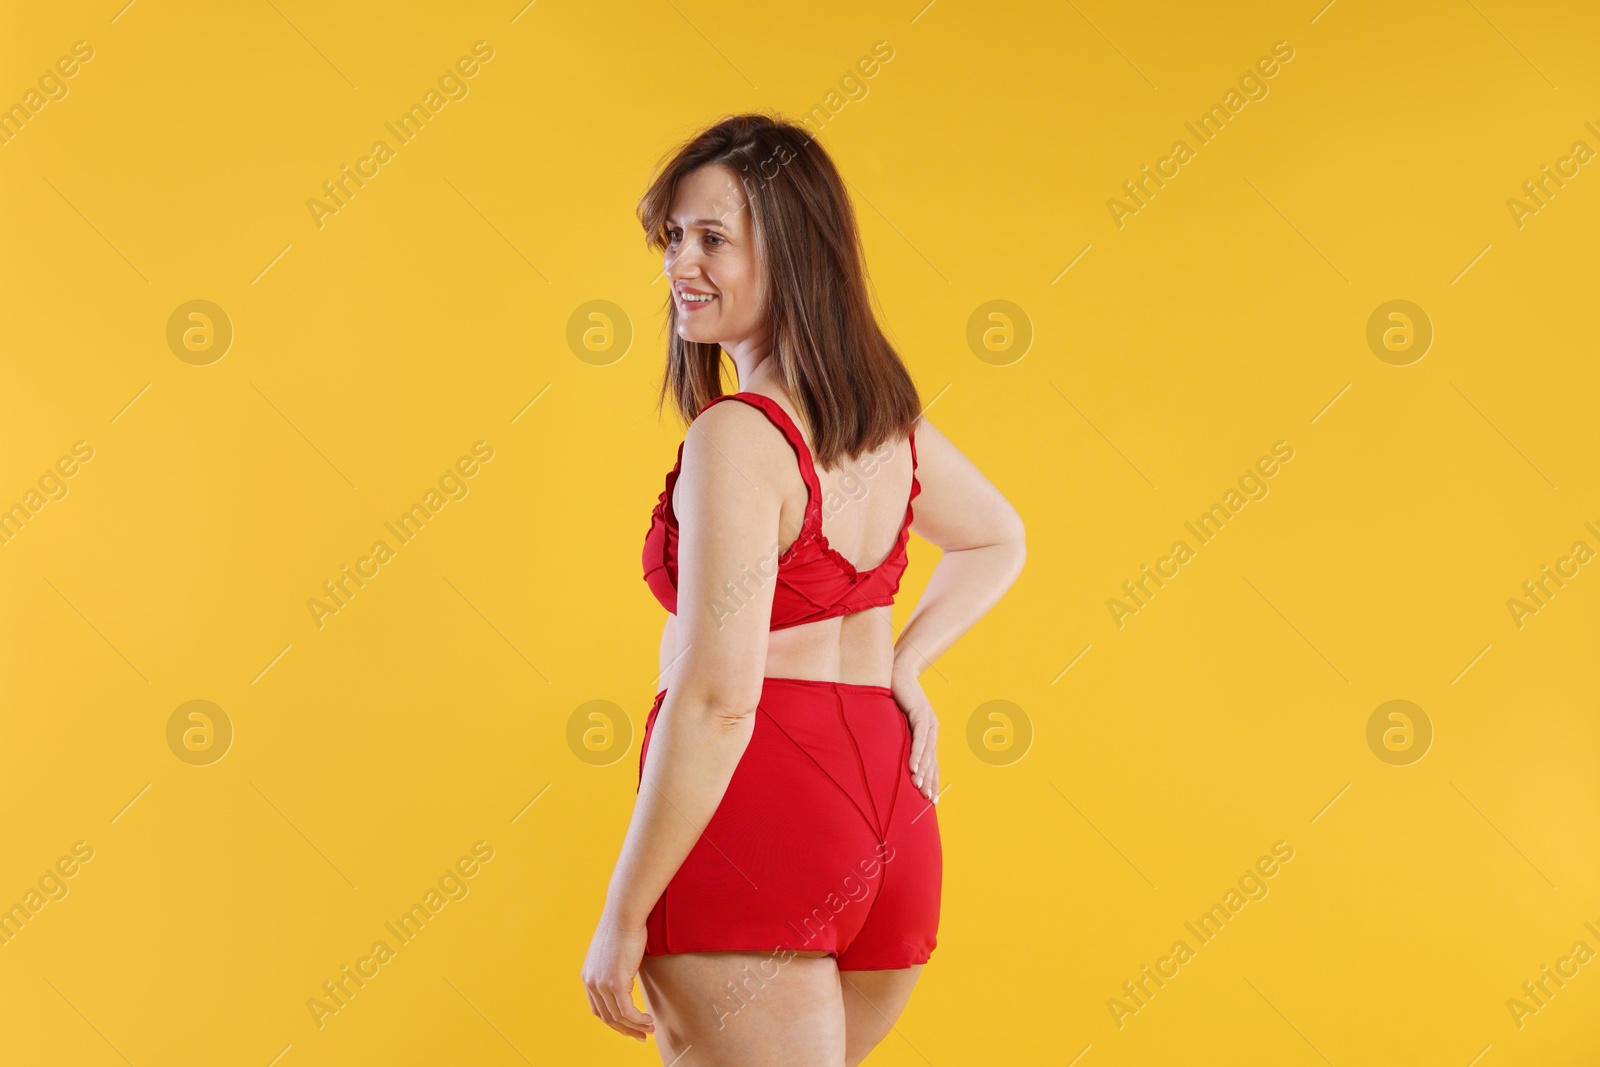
column 674, row 236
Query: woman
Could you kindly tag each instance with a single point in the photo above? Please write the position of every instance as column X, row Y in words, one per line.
column 778, row 889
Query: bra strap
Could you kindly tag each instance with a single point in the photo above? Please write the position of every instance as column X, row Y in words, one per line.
column 791, row 433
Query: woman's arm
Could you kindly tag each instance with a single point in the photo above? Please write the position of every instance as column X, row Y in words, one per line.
column 736, row 466
column 981, row 537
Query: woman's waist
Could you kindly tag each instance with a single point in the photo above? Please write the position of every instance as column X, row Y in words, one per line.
column 774, row 683
column 859, row 647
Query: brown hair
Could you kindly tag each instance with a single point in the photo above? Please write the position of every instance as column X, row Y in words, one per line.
column 847, row 382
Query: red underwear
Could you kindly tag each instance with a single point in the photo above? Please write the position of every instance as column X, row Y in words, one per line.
column 822, row 843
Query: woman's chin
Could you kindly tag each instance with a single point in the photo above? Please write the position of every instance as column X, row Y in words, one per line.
column 697, row 336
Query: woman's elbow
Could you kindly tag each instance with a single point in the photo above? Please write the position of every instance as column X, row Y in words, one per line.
column 719, row 701
column 1016, row 540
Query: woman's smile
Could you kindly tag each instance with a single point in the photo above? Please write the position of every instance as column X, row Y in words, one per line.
column 694, row 299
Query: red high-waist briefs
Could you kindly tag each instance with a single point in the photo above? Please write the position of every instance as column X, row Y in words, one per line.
column 822, row 843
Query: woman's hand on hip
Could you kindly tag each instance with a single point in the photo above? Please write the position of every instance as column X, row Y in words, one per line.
column 608, row 973
column 924, row 722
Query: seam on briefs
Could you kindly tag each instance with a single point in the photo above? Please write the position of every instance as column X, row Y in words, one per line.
column 875, row 824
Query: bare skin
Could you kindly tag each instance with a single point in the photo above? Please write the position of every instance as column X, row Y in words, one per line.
column 739, row 497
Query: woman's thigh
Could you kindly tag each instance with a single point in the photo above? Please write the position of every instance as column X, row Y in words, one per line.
column 745, row 1009
column 873, row 1001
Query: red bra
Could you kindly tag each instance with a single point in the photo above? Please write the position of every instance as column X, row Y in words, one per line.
column 813, row 581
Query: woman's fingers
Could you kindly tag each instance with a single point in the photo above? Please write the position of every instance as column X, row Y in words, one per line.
column 601, row 1006
column 608, row 975
column 631, row 1014
column 928, row 776
column 614, row 1014
column 609, row 1006
column 924, row 725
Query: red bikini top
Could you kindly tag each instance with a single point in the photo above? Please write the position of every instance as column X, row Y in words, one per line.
column 813, row 581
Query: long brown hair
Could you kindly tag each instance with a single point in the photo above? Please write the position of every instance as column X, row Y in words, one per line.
column 849, row 385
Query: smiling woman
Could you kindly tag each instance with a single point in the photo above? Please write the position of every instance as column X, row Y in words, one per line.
column 790, row 754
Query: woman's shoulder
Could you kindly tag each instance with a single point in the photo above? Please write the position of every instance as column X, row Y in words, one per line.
column 739, row 430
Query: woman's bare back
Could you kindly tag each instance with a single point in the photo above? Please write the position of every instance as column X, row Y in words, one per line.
column 863, row 507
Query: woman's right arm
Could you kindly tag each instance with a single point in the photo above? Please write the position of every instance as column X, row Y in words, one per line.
column 732, row 471
column 981, row 537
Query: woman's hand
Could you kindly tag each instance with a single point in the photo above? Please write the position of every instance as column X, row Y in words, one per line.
column 924, row 732
column 608, row 973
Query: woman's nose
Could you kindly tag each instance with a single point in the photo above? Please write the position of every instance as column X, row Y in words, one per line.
column 683, row 272
column 685, row 261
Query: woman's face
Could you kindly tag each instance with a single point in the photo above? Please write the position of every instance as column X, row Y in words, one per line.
column 711, row 259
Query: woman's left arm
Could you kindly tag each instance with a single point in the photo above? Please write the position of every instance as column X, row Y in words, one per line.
column 731, row 501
